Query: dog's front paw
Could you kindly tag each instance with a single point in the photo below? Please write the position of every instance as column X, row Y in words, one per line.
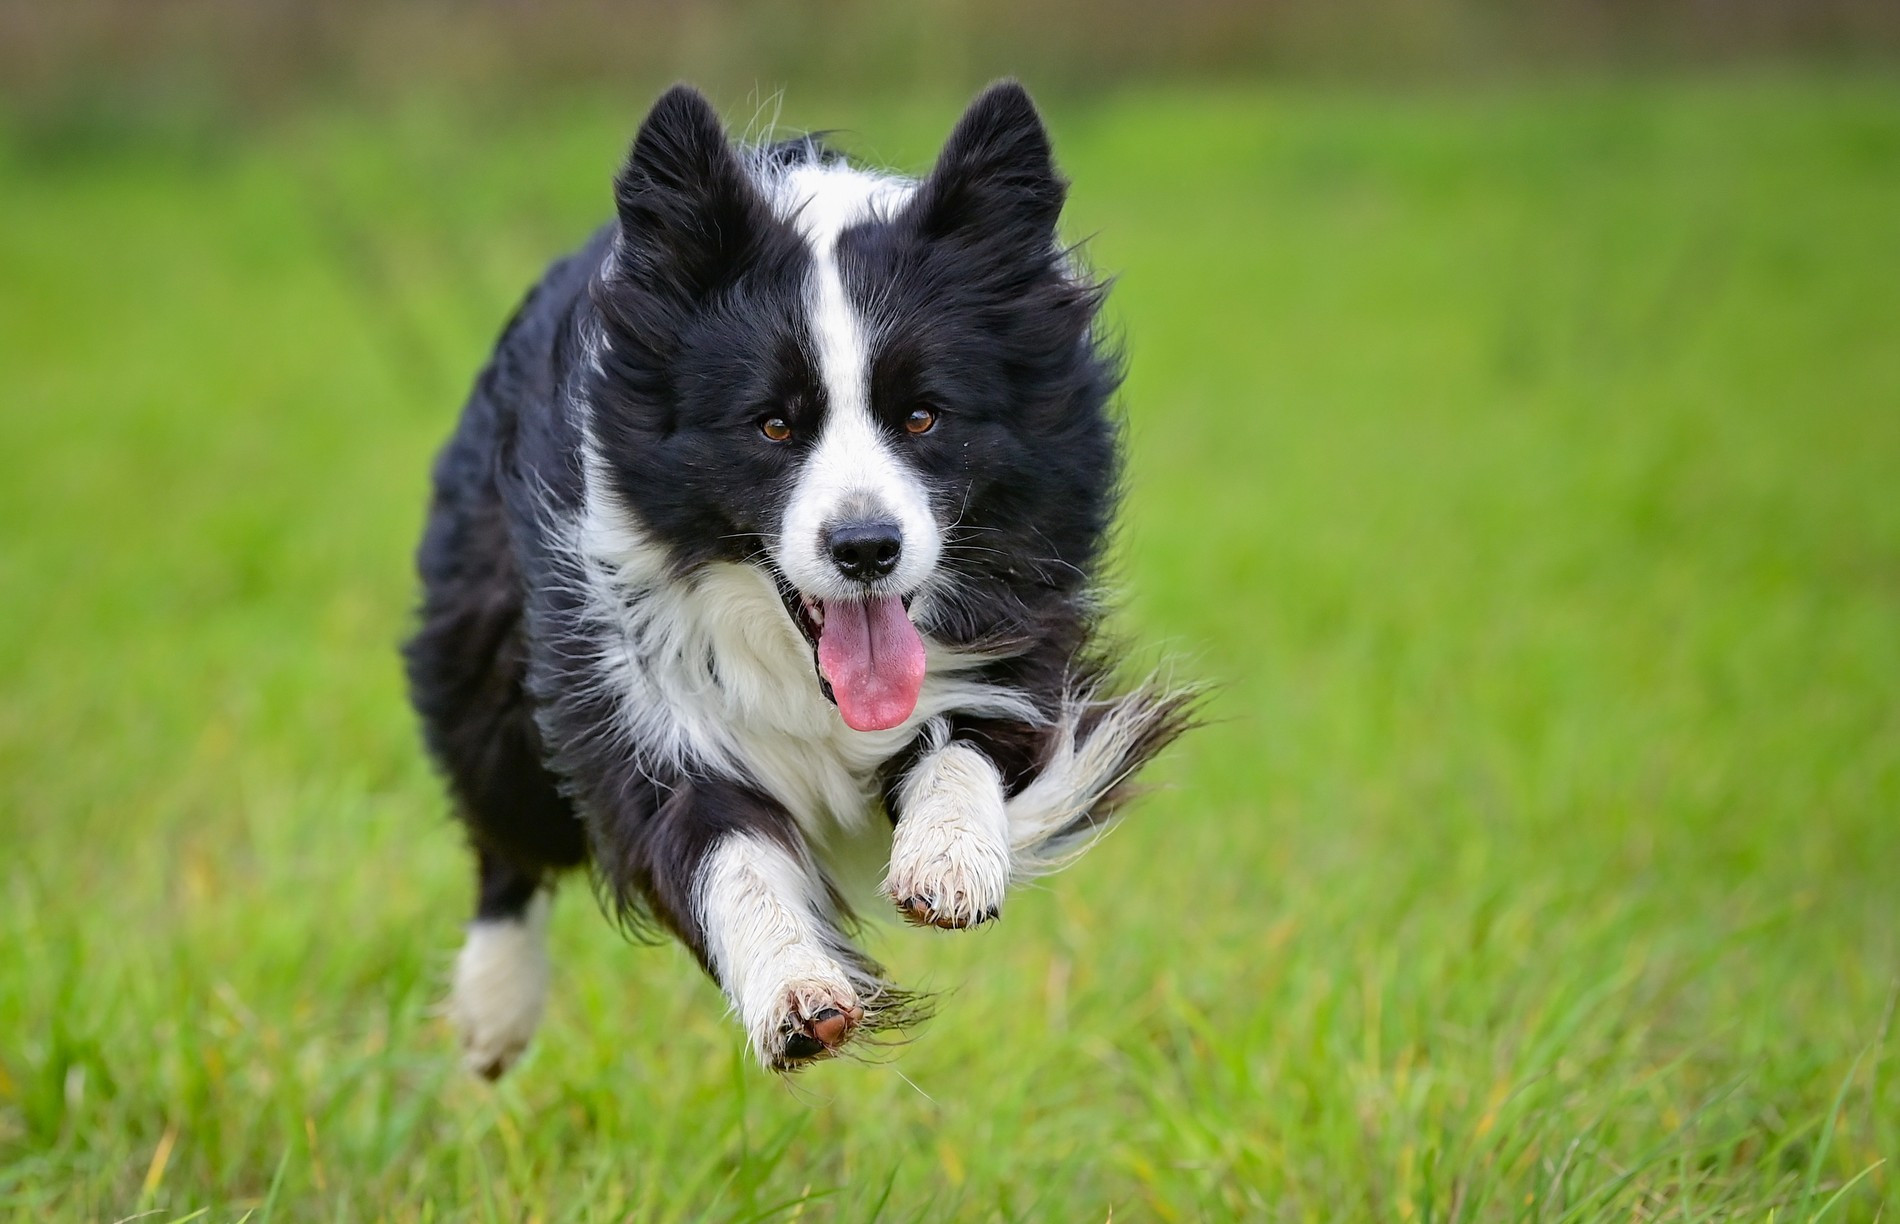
column 947, row 875
column 814, row 1020
column 950, row 856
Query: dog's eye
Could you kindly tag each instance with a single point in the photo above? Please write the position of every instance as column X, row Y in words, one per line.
column 775, row 429
column 920, row 421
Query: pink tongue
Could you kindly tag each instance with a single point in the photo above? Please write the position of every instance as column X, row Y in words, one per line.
column 874, row 659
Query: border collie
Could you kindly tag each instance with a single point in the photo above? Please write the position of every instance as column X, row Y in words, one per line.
column 771, row 524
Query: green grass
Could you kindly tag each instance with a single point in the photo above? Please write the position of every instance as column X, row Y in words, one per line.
column 1525, row 466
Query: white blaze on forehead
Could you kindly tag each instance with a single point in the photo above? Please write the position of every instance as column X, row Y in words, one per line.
column 852, row 470
column 822, row 201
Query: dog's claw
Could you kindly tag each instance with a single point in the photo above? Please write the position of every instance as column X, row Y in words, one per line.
column 921, row 911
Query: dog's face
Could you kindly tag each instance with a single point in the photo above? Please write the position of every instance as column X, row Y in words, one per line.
column 887, row 395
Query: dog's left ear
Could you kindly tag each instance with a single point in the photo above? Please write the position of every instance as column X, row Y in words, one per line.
column 996, row 179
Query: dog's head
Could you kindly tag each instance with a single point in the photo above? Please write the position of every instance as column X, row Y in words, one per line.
column 887, row 394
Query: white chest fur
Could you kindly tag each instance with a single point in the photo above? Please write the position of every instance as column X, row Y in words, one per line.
column 708, row 674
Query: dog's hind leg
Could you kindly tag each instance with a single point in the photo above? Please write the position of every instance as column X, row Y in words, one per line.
column 524, row 834
column 501, row 974
column 466, row 667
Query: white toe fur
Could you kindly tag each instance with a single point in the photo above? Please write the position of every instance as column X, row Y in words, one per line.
column 950, row 852
column 501, row 988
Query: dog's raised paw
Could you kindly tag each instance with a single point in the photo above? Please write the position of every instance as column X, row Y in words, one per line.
column 814, row 1031
column 949, row 881
column 950, row 853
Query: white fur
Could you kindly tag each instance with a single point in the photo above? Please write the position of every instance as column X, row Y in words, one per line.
column 951, row 848
column 770, row 940
column 1073, row 781
column 824, row 199
column 501, row 987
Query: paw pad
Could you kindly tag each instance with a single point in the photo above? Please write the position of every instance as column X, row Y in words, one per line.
column 807, row 1039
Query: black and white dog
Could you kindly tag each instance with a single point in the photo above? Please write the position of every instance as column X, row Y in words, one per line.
column 774, row 514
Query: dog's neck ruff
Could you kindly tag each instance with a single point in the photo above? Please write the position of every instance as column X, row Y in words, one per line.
column 706, row 672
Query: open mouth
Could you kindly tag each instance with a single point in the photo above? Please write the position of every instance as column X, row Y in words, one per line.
column 868, row 655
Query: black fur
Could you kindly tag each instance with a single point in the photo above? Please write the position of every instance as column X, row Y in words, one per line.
column 695, row 299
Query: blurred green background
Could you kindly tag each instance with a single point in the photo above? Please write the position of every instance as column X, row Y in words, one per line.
column 1515, row 413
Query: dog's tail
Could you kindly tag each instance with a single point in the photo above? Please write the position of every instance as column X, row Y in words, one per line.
column 1097, row 745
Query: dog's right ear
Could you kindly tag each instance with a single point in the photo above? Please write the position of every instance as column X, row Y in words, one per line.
column 689, row 216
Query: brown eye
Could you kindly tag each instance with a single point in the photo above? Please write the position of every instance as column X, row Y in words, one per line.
column 920, row 421
column 775, row 429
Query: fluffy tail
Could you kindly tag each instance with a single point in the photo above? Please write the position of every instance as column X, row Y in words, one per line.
column 1098, row 744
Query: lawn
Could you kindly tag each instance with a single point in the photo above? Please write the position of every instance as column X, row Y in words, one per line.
column 1523, row 464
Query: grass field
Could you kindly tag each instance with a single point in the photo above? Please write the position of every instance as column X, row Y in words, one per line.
column 1525, row 466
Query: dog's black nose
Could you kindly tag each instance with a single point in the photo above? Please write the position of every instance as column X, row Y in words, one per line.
column 865, row 551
